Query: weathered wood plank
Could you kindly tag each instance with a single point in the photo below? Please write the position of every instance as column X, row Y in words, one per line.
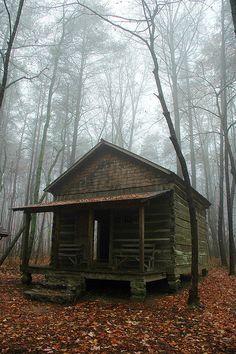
column 56, row 238
column 111, row 237
column 25, row 240
column 90, row 236
column 141, row 238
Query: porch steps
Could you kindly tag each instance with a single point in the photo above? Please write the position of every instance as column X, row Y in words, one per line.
column 56, row 290
column 50, row 295
column 54, row 284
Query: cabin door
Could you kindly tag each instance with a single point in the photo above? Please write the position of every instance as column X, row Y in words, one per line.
column 101, row 236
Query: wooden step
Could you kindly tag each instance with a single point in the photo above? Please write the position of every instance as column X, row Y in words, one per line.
column 54, row 284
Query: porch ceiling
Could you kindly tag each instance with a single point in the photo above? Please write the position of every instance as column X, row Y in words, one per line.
column 51, row 206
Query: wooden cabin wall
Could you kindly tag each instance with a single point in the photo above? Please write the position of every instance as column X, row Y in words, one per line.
column 183, row 235
column 125, row 238
column 73, row 231
column 202, row 237
column 159, row 231
column 68, row 228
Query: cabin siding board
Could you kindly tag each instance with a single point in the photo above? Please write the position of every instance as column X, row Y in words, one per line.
column 183, row 234
column 158, row 231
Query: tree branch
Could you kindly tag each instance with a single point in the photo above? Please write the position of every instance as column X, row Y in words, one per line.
column 25, row 78
column 230, row 126
column 113, row 23
column 9, row 17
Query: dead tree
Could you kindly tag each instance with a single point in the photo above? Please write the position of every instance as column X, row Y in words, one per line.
column 150, row 16
column 233, row 10
column 7, row 55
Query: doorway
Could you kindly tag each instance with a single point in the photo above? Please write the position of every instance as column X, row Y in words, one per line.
column 101, row 237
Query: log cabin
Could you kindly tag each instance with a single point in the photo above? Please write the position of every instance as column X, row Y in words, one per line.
column 117, row 216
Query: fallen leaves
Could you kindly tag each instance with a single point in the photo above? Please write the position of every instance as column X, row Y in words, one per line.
column 160, row 325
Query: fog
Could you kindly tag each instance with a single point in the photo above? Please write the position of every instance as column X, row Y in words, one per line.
column 74, row 78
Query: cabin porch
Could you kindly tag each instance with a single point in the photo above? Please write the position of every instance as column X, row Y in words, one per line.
column 123, row 240
column 74, row 280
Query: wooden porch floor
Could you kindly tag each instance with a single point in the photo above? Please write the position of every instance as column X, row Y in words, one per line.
column 99, row 272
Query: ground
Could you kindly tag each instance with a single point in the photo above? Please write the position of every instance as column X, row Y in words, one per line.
column 98, row 324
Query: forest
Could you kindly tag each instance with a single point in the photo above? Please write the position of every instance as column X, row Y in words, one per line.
column 156, row 78
column 74, row 79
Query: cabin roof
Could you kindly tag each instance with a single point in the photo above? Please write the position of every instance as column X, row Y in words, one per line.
column 142, row 197
column 103, row 143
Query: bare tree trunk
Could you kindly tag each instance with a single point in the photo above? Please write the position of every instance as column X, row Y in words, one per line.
column 34, row 148
column 193, row 293
column 13, row 193
column 230, row 215
column 78, row 105
column 135, row 99
column 44, row 138
column 175, row 91
column 212, row 218
column 7, row 252
column 226, row 142
column 233, row 10
column 6, row 57
column 149, row 16
column 221, row 205
column 3, row 167
column 190, row 119
column 64, row 131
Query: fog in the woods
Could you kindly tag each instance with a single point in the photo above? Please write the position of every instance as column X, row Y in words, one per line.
column 74, row 79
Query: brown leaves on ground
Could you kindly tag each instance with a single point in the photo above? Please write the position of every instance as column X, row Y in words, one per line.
column 161, row 325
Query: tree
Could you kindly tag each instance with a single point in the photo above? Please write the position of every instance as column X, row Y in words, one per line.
column 218, row 75
column 150, row 12
column 120, row 93
column 233, row 9
column 224, row 124
column 39, row 169
column 6, row 54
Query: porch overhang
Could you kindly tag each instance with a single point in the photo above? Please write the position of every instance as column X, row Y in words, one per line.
column 92, row 201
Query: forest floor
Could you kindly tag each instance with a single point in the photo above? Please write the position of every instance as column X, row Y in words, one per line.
column 106, row 324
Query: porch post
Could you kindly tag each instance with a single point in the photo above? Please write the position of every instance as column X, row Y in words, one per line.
column 90, row 236
column 55, row 244
column 25, row 240
column 141, row 238
column 111, row 239
column 26, row 276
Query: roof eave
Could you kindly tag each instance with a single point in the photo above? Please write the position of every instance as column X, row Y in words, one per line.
column 84, row 202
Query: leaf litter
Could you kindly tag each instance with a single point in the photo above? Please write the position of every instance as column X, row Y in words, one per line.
column 163, row 325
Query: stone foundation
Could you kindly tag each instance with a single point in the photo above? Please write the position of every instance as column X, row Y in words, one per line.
column 26, row 278
column 173, row 282
column 76, row 286
column 138, row 289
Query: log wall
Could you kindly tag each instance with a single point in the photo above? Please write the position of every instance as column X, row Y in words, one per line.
column 167, row 237
column 73, row 230
column 159, row 231
column 183, row 235
column 125, row 238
